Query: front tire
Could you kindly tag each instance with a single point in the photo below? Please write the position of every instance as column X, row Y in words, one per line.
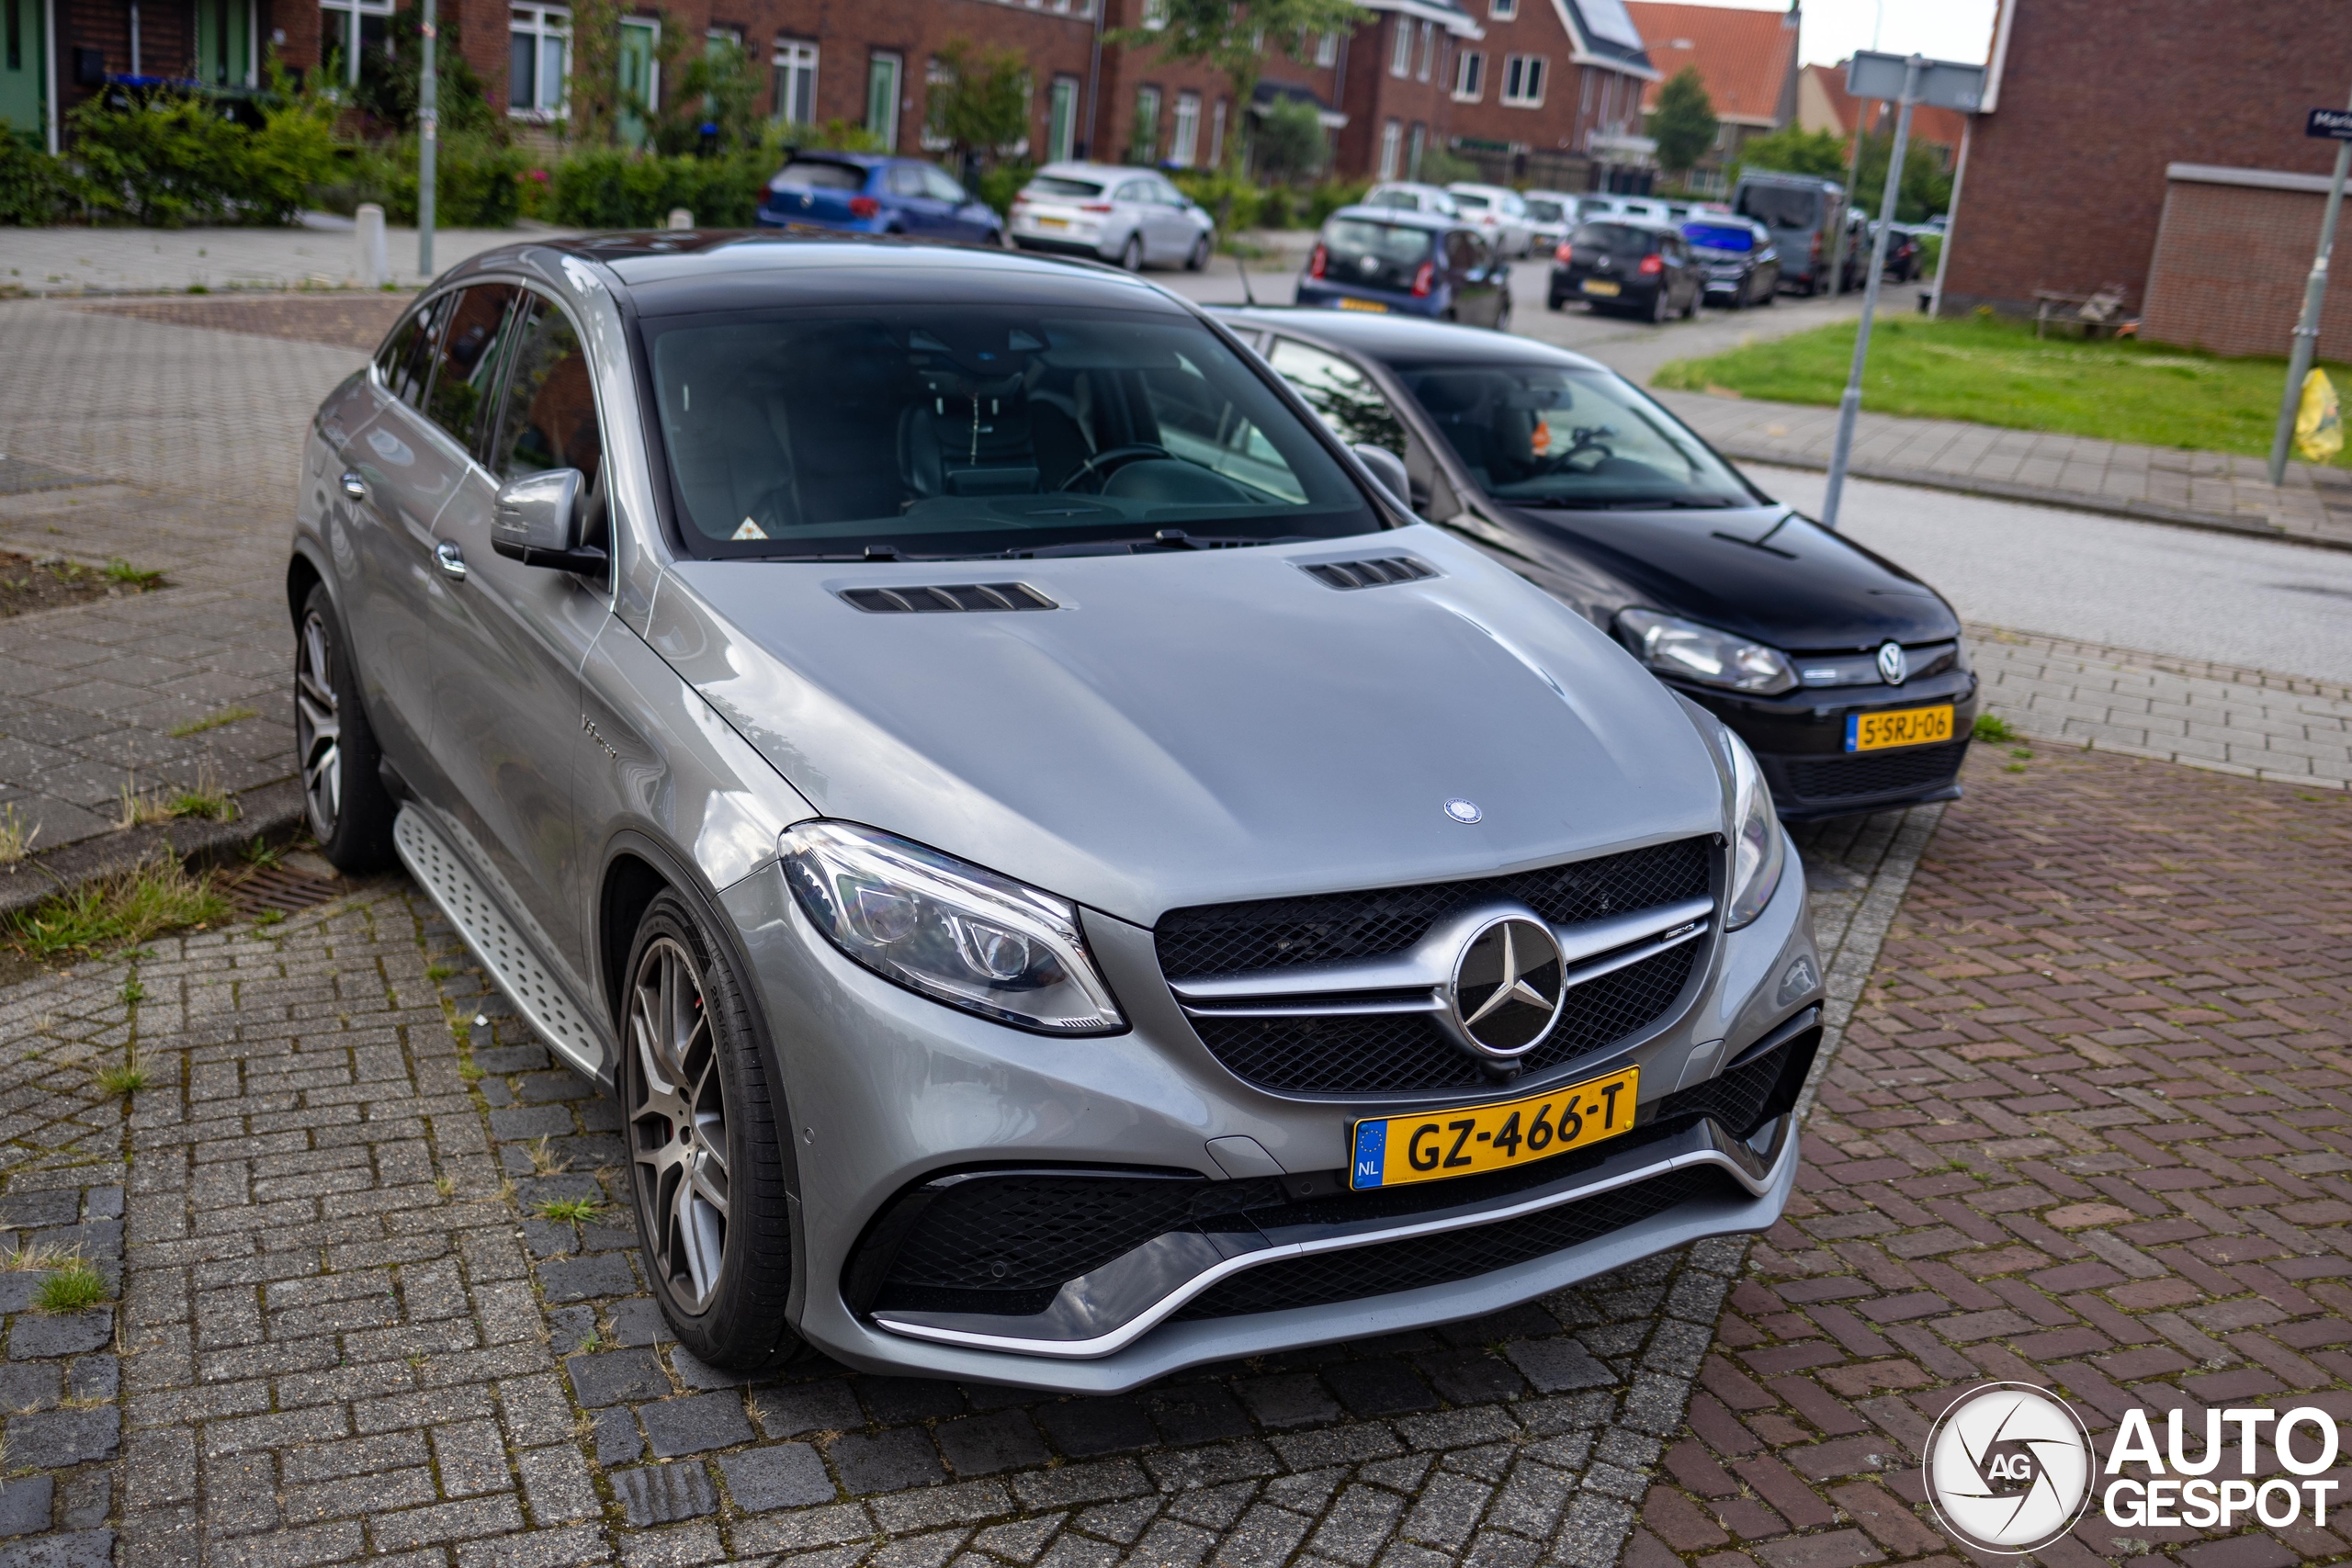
column 1199, row 259
column 705, row 1174
column 343, row 787
column 1131, row 253
column 1661, row 306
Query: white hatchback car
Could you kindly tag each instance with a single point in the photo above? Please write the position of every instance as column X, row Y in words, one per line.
column 1126, row 215
column 1500, row 213
column 1409, row 196
column 1551, row 214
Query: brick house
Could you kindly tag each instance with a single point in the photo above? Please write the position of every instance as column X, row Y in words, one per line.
column 1155, row 110
column 2067, row 179
column 1747, row 61
column 1551, row 95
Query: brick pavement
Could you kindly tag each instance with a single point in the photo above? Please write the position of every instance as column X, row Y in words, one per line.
column 2089, row 1130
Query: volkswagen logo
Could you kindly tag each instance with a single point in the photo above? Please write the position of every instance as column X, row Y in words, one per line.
column 2008, row 1468
column 1507, row 986
column 1892, row 666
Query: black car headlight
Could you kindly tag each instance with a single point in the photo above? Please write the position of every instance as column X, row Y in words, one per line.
column 954, row 932
column 1757, row 850
column 1690, row 651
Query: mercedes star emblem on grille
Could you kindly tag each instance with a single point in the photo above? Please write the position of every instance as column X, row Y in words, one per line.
column 1507, row 986
column 1463, row 810
column 1892, row 666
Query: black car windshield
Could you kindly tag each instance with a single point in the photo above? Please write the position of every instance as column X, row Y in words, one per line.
column 1621, row 237
column 1720, row 236
column 1781, row 206
column 970, row 430
column 1542, row 436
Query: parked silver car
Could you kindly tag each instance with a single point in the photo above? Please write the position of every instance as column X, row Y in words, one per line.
column 1129, row 216
column 1065, row 877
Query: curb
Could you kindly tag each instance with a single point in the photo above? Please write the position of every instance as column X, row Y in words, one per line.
column 2072, row 500
column 271, row 811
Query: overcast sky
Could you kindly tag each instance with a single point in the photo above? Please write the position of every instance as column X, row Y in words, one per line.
column 1940, row 29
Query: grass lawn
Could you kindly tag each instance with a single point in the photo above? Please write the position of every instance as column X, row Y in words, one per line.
column 1994, row 371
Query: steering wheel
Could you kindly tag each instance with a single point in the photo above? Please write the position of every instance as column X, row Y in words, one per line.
column 1583, row 439
column 1112, row 459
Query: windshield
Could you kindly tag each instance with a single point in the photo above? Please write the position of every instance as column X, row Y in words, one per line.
column 1470, row 199
column 972, row 429
column 814, row 174
column 1062, row 184
column 1544, row 211
column 1542, row 436
column 1622, row 237
column 1781, row 206
column 1719, row 236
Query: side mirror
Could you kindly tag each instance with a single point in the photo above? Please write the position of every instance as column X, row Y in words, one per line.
column 536, row 520
column 1387, row 469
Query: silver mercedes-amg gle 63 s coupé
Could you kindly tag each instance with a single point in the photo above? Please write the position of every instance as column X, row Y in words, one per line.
column 1065, row 877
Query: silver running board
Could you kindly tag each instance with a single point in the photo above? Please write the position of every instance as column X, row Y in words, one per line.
column 495, row 942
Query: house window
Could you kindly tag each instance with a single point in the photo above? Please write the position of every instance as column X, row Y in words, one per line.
column 1415, row 145
column 1503, row 10
column 1400, row 54
column 1585, row 107
column 1523, row 81
column 934, row 77
column 882, row 70
column 348, row 29
column 796, row 82
column 1392, row 148
column 538, row 42
column 1061, row 119
column 1144, row 145
column 1429, row 51
column 1326, row 49
column 1155, row 14
column 1217, row 136
column 1185, row 143
column 1469, row 76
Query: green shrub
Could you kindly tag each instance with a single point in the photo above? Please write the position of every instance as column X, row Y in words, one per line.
column 35, row 188
column 169, row 160
column 474, row 182
column 1331, row 195
column 999, row 184
column 1233, row 203
column 612, row 189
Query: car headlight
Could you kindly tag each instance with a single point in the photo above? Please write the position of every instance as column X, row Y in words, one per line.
column 1758, row 848
column 1694, row 652
column 957, row 934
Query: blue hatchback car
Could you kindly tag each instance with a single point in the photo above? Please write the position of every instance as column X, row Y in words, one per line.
column 1385, row 259
column 874, row 193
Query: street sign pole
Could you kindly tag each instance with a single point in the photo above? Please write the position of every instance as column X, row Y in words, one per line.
column 1851, row 403
column 428, row 115
column 2329, row 123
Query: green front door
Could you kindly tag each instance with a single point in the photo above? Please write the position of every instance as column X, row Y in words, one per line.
column 223, row 42
column 23, row 48
column 640, row 78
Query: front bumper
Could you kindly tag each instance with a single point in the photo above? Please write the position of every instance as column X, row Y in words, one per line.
column 1799, row 739
column 889, row 1092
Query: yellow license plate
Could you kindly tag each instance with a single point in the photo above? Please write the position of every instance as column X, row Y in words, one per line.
column 1436, row 1145
column 1052, row 223
column 1904, row 727
column 1602, row 287
column 1363, row 305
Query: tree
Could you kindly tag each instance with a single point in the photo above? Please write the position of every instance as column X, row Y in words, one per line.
column 1232, row 39
column 1684, row 122
column 980, row 108
column 1792, row 151
column 715, row 89
column 1927, row 185
column 1290, row 143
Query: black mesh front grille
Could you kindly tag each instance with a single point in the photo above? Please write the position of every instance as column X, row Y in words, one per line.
column 1274, row 933
column 1386, row 1267
column 1867, row 774
column 1409, row 1052
column 1751, row 1094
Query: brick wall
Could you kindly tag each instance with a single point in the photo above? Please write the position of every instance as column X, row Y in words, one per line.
column 2065, row 183
column 2229, row 267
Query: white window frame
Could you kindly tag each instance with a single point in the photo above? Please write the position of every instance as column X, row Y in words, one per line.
column 542, row 25
column 1400, row 52
column 1469, row 76
column 1184, row 139
column 1503, row 10
column 354, row 9
column 1428, row 51
column 1392, row 148
column 1326, row 49
column 1155, row 14
column 878, row 60
column 787, row 61
column 1523, row 81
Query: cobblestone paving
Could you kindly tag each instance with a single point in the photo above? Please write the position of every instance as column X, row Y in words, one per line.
column 2090, row 1129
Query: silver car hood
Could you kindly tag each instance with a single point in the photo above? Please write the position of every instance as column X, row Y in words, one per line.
column 1201, row 727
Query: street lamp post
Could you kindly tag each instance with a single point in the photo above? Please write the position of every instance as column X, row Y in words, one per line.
column 2322, row 122
column 428, row 115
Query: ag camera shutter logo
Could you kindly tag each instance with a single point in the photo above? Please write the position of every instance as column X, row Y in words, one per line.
column 2008, row 1468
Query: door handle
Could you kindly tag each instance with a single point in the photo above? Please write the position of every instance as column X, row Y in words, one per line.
column 354, row 486
column 451, row 559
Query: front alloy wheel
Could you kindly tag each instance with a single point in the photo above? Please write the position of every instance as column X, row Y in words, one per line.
column 678, row 1125
column 342, row 784
column 317, row 725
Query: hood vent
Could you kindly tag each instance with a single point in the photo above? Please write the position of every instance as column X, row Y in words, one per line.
column 955, row 596
column 1368, row 573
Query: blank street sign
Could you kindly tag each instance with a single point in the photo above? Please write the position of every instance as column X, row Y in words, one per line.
column 1943, row 83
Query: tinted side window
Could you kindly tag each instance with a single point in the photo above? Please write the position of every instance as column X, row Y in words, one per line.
column 466, row 366
column 406, row 362
column 906, row 180
column 548, row 417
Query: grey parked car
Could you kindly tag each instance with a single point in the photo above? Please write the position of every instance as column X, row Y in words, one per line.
column 1065, row 878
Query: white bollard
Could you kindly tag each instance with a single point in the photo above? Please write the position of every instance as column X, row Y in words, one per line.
column 373, row 261
column 680, row 218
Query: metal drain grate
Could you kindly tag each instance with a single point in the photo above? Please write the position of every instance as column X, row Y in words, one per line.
column 274, row 888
